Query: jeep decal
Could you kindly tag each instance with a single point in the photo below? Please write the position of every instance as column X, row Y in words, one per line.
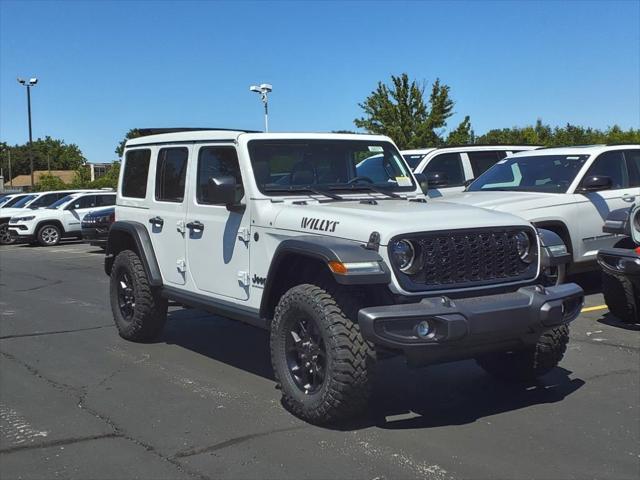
column 258, row 281
column 319, row 224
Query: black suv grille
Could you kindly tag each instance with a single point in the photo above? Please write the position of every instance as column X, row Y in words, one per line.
column 466, row 258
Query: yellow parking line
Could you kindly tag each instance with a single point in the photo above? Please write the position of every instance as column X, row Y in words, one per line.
column 593, row 309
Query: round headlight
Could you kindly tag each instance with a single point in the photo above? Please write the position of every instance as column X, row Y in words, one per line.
column 403, row 254
column 523, row 246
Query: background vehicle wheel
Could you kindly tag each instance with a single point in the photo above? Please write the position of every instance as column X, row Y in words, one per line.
column 551, row 276
column 139, row 312
column 528, row 363
column 5, row 236
column 620, row 297
column 323, row 364
column 48, row 235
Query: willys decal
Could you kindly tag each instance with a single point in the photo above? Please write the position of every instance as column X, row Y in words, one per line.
column 319, row 224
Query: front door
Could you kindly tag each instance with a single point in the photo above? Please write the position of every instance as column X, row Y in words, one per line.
column 75, row 212
column 217, row 238
column 166, row 224
column 598, row 205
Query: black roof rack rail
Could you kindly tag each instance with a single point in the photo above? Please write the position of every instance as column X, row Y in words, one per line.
column 622, row 144
column 572, row 146
column 462, row 145
column 144, row 132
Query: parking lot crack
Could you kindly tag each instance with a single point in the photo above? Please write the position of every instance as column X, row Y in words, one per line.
column 55, row 332
column 57, row 443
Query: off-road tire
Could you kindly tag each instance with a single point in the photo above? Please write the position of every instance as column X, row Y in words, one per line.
column 529, row 363
column 5, row 236
column 350, row 359
column 48, row 235
column 149, row 311
column 621, row 297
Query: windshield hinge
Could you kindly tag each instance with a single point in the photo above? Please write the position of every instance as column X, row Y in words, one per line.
column 244, row 235
column 374, row 242
column 180, row 226
column 181, row 265
column 243, row 278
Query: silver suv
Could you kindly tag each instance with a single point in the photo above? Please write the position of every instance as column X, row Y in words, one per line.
column 285, row 232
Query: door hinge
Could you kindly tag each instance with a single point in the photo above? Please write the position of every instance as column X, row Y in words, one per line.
column 243, row 278
column 180, row 226
column 181, row 265
column 244, row 235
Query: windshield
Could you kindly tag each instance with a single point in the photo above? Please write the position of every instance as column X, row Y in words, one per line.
column 540, row 173
column 60, row 202
column 6, row 199
column 318, row 166
column 413, row 159
column 22, row 201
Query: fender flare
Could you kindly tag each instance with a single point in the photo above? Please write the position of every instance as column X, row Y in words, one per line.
column 327, row 249
column 551, row 249
column 139, row 234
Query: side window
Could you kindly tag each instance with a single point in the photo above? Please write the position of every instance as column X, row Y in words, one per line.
column 483, row 161
column 215, row 162
column 105, row 200
column 449, row 164
column 44, row 200
column 136, row 170
column 377, row 168
column 633, row 164
column 170, row 174
column 612, row 165
column 88, row 201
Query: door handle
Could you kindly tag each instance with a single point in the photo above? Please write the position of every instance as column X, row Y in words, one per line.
column 195, row 225
column 628, row 198
column 156, row 221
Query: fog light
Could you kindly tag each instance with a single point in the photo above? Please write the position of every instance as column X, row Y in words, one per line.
column 423, row 329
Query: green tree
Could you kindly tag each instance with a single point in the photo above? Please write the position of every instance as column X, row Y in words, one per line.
column 109, row 179
column 133, row 133
column 400, row 111
column 462, row 135
column 46, row 152
column 50, row 182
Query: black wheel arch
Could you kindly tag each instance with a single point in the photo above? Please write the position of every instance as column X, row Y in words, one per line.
column 303, row 258
column 559, row 228
column 130, row 235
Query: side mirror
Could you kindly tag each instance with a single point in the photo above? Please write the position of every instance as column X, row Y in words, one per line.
column 224, row 190
column 437, row 179
column 595, row 183
column 421, row 178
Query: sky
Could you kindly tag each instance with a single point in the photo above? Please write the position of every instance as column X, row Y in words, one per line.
column 107, row 66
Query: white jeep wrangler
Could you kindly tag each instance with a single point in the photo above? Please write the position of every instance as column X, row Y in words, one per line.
column 281, row 231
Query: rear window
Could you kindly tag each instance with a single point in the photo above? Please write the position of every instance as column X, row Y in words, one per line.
column 170, row 174
column 483, row 161
column 136, row 170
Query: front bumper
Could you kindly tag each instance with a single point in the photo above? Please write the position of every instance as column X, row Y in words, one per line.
column 21, row 236
column 95, row 235
column 464, row 328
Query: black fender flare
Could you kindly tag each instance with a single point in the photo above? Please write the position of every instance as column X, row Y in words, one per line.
column 327, row 249
column 553, row 256
column 618, row 222
column 141, row 240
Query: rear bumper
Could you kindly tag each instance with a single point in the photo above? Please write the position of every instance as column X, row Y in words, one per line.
column 467, row 327
column 95, row 235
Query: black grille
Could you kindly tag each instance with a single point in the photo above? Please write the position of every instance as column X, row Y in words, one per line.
column 466, row 258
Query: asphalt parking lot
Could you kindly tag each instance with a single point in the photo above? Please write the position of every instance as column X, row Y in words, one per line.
column 76, row 401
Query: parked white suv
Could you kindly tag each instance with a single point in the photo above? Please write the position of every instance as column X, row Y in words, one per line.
column 61, row 219
column 568, row 190
column 449, row 169
column 27, row 202
column 284, row 232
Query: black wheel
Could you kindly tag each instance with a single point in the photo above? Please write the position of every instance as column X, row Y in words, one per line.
column 5, row 235
column 319, row 357
column 554, row 275
column 48, row 235
column 621, row 297
column 528, row 363
column 138, row 310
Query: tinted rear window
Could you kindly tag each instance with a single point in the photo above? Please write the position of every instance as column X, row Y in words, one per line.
column 136, row 170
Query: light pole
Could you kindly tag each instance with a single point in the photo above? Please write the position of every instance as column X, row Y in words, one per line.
column 29, row 83
column 263, row 89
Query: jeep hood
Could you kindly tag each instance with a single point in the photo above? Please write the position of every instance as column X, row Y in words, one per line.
column 12, row 212
column 356, row 221
column 505, row 201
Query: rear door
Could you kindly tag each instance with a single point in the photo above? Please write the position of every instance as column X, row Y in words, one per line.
column 166, row 225
column 217, row 238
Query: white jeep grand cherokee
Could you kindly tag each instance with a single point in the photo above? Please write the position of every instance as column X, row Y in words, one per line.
column 282, row 231
column 568, row 190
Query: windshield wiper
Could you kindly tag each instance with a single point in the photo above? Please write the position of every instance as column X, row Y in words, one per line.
column 307, row 188
column 368, row 186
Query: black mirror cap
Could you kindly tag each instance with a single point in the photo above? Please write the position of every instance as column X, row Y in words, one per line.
column 225, row 190
column 617, row 222
column 421, row 178
column 594, row 183
column 437, row 179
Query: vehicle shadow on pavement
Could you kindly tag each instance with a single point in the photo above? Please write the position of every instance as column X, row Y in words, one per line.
column 609, row 319
column 449, row 394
